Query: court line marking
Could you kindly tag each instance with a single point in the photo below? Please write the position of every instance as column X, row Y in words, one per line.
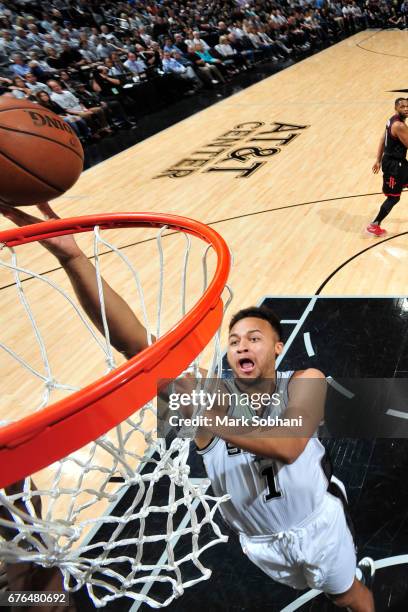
column 306, row 336
column 338, row 387
column 397, row 413
column 218, row 221
column 380, row 52
column 308, row 345
column 308, row 309
column 344, row 264
column 298, row 603
column 380, row 564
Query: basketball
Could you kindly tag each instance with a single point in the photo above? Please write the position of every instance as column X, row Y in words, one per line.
column 40, row 155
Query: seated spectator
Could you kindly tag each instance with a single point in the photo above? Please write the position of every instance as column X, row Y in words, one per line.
column 109, row 36
column 242, row 47
column 199, row 41
column 169, row 45
column 67, row 81
column 236, row 29
column 136, row 65
column 49, row 41
column 118, row 65
column 4, row 85
column 94, row 37
column 94, row 116
column 52, row 58
column 160, row 27
column 39, row 67
column 19, row 67
column 105, row 48
column 298, row 39
column 124, row 22
column 15, row 87
column 113, row 71
column 80, row 13
column 77, row 123
column 18, row 88
column 180, row 44
column 56, row 31
column 259, row 44
column 223, row 29
column 7, row 44
column 34, row 86
column 108, row 90
column 66, row 37
column 209, row 59
column 23, row 43
column 70, row 58
column 172, row 66
column 88, row 52
column 278, row 49
column 189, row 41
column 182, row 59
column 209, row 73
column 151, row 57
column 146, row 38
column 78, row 34
column 225, row 50
column 278, row 18
column 74, row 33
column 35, row 37
column 396, row 20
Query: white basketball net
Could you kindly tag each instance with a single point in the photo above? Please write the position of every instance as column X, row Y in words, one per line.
column 121, row 515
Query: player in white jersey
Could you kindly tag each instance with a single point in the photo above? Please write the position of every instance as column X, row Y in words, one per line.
column 282, row 505
column 282, row 496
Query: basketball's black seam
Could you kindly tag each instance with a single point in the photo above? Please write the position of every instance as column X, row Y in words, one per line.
column 31, row 173
column 3, row 110
column 10, row 129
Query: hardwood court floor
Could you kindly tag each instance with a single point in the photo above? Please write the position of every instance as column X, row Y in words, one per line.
column 304, row 210
column 291, row 223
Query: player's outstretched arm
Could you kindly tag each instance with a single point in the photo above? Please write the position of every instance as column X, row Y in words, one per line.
column 127, row 333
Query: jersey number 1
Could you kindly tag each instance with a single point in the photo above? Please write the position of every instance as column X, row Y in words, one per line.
column 270, row 479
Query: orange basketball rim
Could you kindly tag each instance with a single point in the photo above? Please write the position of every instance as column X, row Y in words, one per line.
column 53, row 432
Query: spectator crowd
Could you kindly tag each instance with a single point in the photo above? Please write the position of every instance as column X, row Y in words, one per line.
column 100, row 65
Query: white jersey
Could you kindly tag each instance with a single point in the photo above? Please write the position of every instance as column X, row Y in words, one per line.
column 267, row 496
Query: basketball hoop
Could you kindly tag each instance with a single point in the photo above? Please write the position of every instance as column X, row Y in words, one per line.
column 57, row 430
column 119, row 403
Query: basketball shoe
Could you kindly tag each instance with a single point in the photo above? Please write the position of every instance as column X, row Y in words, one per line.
column 375, row 230
column 365, row 572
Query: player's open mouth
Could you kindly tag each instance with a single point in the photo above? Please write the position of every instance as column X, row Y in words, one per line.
column 246, row 365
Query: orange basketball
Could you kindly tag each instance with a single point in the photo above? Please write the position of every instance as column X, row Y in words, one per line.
column 40, row 155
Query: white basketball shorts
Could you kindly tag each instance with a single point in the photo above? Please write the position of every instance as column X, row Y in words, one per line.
column 319, row 554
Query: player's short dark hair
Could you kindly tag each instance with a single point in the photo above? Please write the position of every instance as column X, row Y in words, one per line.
column 258, row 312
column 399, row 100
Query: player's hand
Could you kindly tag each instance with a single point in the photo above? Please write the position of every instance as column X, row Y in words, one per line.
column 63, row 247
column 376, row 167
